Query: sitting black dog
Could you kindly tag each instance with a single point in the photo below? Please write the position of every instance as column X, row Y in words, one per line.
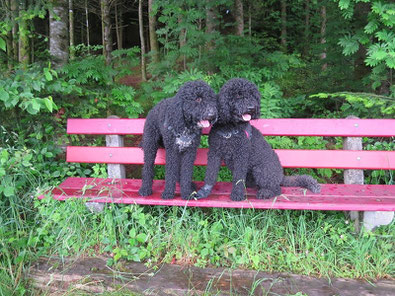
column 176, row 124
column 244, row 149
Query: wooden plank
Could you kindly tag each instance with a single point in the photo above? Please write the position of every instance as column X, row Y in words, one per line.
column 272, row 127
column 332, row 197
column 104, row 126
column 85, row 275
column 326, row 127
column 345, row 159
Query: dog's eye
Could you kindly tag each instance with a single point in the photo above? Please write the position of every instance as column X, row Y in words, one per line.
column 198, row 99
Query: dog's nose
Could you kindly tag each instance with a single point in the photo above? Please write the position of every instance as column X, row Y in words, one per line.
column 211, row 113
column 251, row 108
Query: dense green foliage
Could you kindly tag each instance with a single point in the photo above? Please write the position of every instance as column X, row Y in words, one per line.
column 333, row 65
column 377, row 36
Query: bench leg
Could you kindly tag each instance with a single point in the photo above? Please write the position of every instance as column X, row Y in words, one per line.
column 369, row 219
column 116, row 171
column 355, row 216
column 372, row 219
column 352, row 176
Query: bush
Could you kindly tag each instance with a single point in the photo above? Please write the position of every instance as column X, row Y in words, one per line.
column 83, row 88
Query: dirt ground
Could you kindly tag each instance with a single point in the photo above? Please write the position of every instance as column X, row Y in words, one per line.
column 92, row 275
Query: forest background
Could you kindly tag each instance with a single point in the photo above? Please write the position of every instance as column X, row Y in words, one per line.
column 85, row 59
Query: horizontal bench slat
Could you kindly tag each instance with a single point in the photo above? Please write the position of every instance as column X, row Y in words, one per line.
column 333, row 196
column 102, row 126
column 270, row 127
column 345, row 159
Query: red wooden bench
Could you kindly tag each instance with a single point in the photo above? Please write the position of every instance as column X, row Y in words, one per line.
column 348, row 197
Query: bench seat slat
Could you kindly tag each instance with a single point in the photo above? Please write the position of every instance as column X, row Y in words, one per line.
column 272, row 127
column 333, row 196
column 344, row 159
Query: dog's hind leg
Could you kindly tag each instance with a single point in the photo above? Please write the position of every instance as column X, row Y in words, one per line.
column 266, row 193
column 267, row 182
column 150, row 146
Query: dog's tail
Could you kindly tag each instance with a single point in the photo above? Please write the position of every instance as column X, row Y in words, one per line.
column 304, row 181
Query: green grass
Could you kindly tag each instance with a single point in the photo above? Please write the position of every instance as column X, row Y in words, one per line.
column 305, row 242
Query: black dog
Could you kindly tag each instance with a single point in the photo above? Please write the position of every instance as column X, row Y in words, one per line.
column 244, row 149
column 176, row 124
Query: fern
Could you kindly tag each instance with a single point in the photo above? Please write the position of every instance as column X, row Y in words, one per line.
column 350, row 44
column 363, row 105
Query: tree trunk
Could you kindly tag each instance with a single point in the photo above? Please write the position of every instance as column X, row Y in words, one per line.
column 249, row 20
column 10, row 53
column 31, row 46
column 284, row 25
column 23, row 43
column 118, row 27
column 361, row 70
column 142, row 41
column 239, row 17
column 211, row 17
column 306, row 28
column 323, row 38
column 106, row 29
column 14, row 12
column 153, row 38
column 183, row 34
column 87, row 25
column 211, row 21
column 183, row 41
column 58, row 33
column 71, row 29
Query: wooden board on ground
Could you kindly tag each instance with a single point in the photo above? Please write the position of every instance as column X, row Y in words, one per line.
column 92, row 275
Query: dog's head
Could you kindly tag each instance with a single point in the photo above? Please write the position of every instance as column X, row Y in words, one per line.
column 199, row 103
column 238, row 101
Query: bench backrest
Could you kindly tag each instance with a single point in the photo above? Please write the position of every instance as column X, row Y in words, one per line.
column 342, row 159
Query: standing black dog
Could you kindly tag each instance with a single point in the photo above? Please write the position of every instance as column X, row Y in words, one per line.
column 244, row 149
column 176, row 124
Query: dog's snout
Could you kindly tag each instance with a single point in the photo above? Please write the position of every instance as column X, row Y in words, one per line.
column 251, row 108
column 211, row 113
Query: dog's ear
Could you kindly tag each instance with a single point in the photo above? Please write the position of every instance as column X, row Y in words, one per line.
column 189, row 89
column 224, row 104
column 173, row 113
column 184, row 91
column 257, row 96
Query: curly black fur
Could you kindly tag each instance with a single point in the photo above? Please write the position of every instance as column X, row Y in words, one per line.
column 244, row 149
column 176, row 124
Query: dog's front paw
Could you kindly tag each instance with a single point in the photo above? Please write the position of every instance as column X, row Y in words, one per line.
column 237, row 195
column 204, row 191
column 188, row 194
column 143, row 191
column 167, row 195
column 201, row 194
